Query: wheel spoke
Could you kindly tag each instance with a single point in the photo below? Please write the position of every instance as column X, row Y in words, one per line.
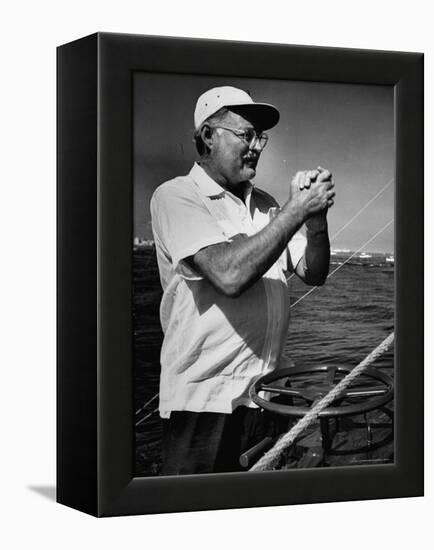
column 282, row 391
column 366, row 392
column 331, row 373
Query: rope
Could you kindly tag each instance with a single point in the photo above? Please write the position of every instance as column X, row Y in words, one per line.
column 313, row 288
column 271, row 457
column 301, row 298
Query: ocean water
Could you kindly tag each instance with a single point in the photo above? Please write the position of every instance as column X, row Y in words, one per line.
column 337, row 324
column 342, row 321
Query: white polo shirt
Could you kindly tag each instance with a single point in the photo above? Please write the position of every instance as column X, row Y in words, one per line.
column 215, row 346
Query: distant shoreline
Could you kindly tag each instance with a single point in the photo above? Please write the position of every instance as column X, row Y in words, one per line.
column 139, row 243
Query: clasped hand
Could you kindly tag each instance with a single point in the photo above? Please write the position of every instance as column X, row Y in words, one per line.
column 312, row 191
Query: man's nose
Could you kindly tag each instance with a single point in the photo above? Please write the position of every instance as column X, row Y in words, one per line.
column 255, row 145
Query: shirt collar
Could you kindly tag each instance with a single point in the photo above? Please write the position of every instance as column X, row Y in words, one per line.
column 207, row 185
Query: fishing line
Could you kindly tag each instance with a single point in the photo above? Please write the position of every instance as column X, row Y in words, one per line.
column 146, row 404
column 315, row 287
column 343, row 263
column 356, row 215
column 149, row 414
column 361, row 210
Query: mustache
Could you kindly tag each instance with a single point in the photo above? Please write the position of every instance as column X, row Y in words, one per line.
column 251, row 157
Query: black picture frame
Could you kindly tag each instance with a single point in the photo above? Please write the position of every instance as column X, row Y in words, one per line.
column 95, row 419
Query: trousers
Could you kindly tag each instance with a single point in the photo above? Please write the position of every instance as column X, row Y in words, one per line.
column 205, row 442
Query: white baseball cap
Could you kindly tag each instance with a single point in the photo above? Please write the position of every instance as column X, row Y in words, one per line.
column 262, row 115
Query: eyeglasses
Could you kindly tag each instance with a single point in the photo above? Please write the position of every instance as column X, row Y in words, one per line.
column 249, row 136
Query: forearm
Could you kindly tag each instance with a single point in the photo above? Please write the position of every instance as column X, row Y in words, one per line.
column 316, row 261
column 233, row 267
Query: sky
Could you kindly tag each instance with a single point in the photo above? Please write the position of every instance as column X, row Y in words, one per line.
column 346, row 128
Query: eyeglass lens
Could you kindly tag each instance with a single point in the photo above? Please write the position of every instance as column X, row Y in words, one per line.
column 252, row 138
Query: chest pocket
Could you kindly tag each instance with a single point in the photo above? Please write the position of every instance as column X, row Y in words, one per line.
column 218, row 209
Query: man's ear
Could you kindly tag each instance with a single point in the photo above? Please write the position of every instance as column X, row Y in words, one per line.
column 206, row 133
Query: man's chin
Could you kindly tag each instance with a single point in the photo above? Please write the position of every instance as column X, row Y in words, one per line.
column 250, row 171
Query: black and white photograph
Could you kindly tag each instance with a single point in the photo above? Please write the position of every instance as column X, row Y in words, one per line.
column 263, row 274
column 216, row 238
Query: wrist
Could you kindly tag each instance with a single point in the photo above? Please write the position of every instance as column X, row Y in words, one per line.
column 317, row 223
column 293, row 213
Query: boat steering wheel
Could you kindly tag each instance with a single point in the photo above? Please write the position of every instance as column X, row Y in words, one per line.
column 292, row 391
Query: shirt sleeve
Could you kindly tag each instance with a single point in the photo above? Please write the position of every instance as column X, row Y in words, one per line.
column 182, row 224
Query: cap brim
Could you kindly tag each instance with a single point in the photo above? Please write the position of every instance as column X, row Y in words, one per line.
column 263, row 116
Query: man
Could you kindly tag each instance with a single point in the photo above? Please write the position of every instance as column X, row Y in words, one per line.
column 224, row 250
